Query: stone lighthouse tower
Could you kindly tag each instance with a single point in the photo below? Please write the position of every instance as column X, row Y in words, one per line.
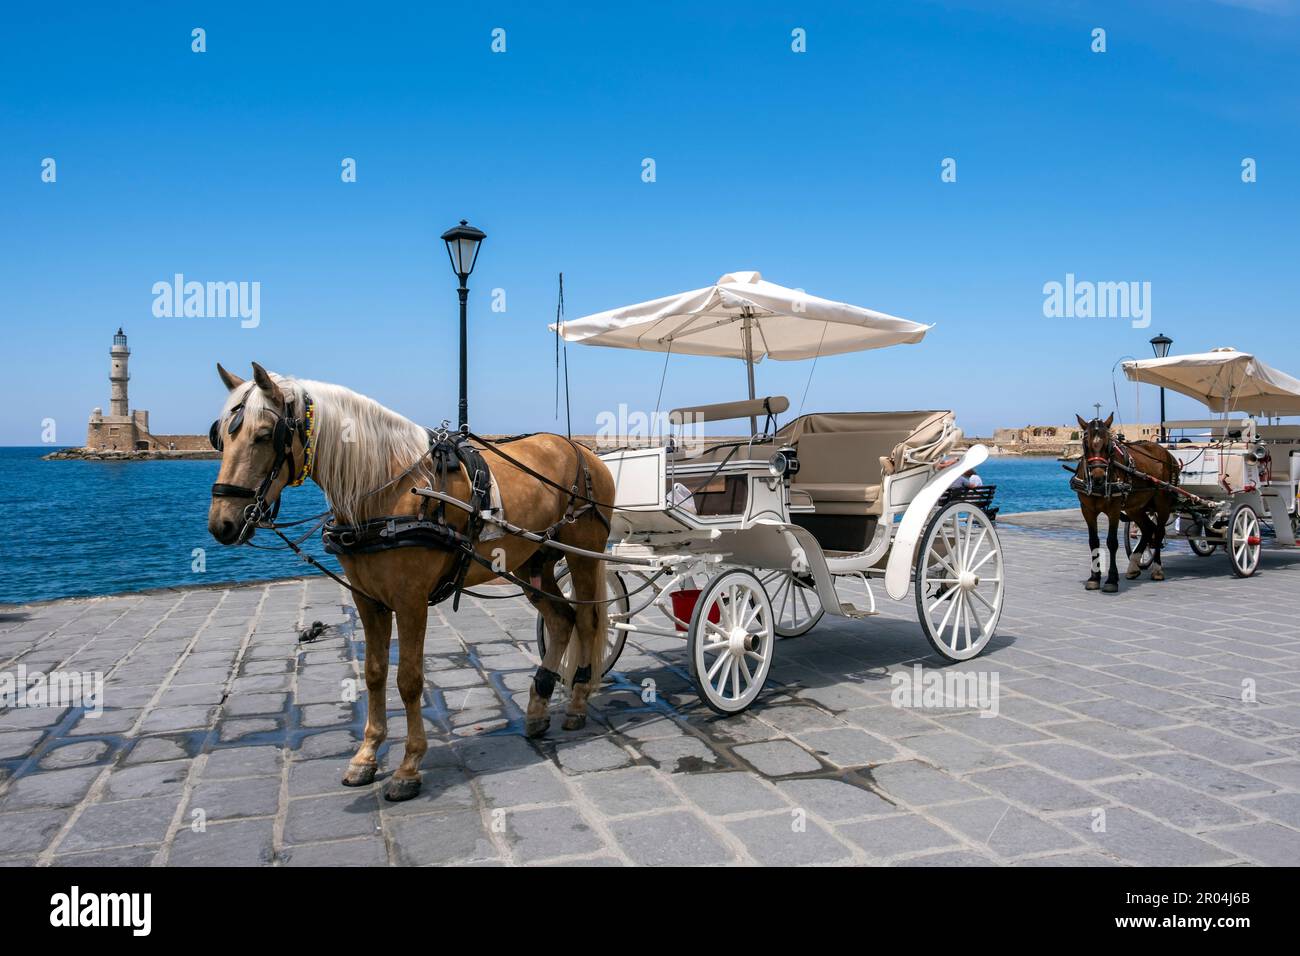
column 119, row 355
column 121, row 429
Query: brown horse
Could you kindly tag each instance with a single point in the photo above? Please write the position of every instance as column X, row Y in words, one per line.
column 1113, row 478
column 275, row 432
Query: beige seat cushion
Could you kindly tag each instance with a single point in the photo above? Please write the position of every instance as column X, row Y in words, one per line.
column 840, row 492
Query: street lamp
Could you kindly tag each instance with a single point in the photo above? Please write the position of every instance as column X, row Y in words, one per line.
column 1160, row 345
column 462, row 248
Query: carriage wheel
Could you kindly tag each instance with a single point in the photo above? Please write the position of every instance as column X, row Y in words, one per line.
column 959, row 581
column 1244, row 541
column 1202, row 546
column 1145, row 561
column 730, row 641
column 795, row 604
column 616, row 594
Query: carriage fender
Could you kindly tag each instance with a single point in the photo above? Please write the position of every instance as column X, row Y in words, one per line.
column 789, row 547
column 902, row 553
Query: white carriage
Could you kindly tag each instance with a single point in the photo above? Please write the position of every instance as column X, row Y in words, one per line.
column 736, row 543
column 1240, row 473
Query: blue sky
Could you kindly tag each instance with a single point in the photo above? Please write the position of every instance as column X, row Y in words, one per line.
column 820, row 170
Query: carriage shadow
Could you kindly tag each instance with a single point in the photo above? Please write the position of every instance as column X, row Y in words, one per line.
column 840, row 665
column 1181, row 564
column 648, row 713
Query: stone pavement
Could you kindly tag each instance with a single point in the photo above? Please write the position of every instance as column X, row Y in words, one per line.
column 1121, row 737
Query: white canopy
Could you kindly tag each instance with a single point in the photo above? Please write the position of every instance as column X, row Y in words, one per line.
column 744, row 316
column 1224, row 380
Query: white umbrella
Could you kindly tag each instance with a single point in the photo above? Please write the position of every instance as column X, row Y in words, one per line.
column 1224, row 380
column 743, row 316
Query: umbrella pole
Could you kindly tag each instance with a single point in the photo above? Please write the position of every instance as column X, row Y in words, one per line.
column 749, row 370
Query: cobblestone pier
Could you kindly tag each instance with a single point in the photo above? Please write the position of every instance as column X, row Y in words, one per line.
column 1122, row 736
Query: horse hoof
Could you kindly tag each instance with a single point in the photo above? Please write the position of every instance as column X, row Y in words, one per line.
column 1110, row 587
column 402, row 788
column 575, row 721
column 360, row 775
column 537, row 727
column 1157, row 575
column 1091, row 585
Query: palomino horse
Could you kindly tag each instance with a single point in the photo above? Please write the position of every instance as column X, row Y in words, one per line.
column 275, row 432
column 1113, row 477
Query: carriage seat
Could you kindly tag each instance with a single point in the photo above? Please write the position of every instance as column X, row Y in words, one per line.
column 841, row 472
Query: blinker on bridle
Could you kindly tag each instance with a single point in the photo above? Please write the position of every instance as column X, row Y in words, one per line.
column 286, row 426
column 236, row 422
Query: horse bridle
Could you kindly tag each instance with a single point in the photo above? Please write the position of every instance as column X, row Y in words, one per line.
column 285, row 428
column 1111, row 488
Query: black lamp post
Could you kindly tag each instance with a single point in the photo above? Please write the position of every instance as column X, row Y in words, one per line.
column 462, row 248
column 1160, row 345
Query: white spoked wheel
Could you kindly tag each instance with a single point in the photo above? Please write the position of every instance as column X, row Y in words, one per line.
column 730, row 641
column 616, row 594
column 1244, row 541
column 795, row 603
column 959, row 581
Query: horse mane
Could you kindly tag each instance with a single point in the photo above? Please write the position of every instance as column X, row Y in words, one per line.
column 358, row 443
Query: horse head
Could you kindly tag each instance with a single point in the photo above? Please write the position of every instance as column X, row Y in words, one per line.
column 262, row 440
column 1097, row 445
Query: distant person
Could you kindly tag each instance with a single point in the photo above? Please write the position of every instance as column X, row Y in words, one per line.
column 968, row 480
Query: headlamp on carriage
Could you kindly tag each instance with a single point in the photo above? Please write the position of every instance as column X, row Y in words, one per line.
column 783, row 463
column 1260, row 453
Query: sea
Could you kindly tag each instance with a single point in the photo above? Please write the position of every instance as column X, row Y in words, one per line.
column 75, row 528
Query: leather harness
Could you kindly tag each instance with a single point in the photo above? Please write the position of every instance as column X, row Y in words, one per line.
column 429, row 528
column 447, row 450
column 1118, row 458
column 1109, row 486
column 422, row 530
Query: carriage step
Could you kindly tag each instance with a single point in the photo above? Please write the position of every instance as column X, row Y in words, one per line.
column 853, row 611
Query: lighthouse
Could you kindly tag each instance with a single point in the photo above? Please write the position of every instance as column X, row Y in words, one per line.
column 118, row 376
column 121, row 430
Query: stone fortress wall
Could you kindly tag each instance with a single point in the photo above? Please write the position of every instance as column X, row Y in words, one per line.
column 1058, row 440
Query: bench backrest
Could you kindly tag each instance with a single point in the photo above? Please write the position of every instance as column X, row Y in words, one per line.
column 909, row 431
column 844, row 457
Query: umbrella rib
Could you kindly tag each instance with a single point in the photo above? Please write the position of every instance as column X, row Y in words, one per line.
column 677, row 333
column 767, row 349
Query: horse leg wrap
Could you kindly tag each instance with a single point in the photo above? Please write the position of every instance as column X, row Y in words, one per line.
column 544, row 682
column 582, row 675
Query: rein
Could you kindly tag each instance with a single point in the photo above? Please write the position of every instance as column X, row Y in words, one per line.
column 1114, row 489
column 573, row 491
column 385, row 533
